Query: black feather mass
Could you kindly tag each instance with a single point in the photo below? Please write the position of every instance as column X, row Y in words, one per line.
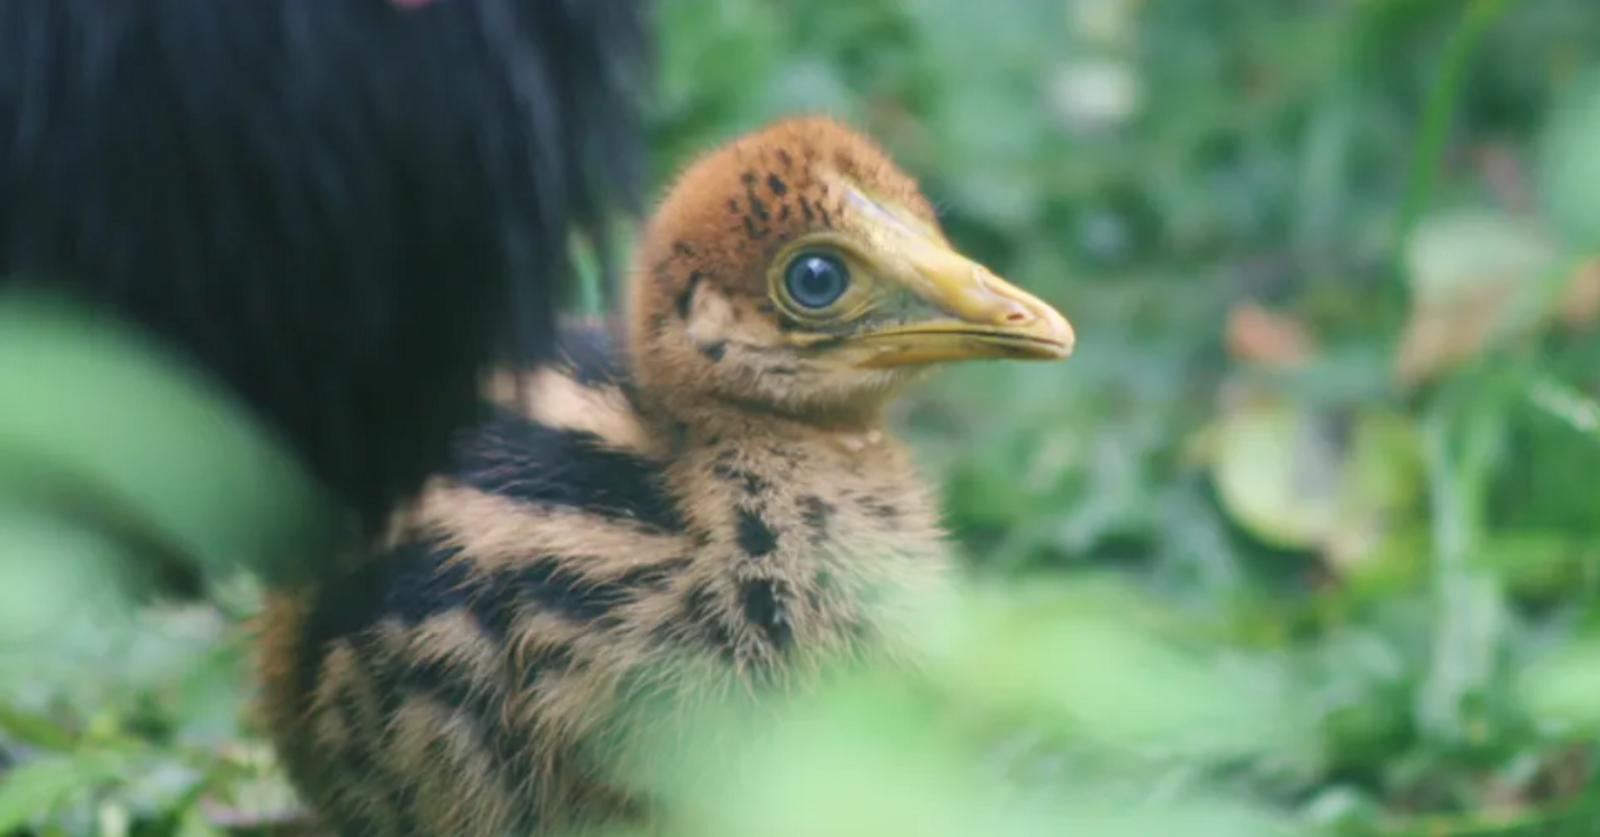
column 340, row 210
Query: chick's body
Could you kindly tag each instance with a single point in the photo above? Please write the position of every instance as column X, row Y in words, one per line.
column 715, row 510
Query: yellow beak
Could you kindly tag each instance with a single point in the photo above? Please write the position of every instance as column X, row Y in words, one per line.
column 979, row 314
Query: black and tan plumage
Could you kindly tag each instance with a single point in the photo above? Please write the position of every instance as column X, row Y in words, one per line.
column 720, row 493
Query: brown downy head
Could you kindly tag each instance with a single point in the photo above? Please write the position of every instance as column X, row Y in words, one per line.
column 798, row 271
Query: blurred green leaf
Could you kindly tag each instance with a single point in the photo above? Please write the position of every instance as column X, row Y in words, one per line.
column 1075, row 659
column 1471, row 620
column 34, row 729
column 96, row 413
column 1299, row 477
column 55, row 571
column 1578, row 411
column 1275, row 472
column 48, row 782
column 1564, row 685
column 887, row 751
column 1569, row 173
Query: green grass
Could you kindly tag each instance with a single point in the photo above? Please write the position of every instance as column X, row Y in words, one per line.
column 1218, row 596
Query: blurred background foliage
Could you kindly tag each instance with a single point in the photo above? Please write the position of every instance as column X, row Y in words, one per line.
column 1303, row 537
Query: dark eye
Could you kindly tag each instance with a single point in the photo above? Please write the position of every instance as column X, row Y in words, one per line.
column 814, row 280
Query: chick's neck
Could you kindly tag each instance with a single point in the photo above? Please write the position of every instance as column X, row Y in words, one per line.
column 697, row 419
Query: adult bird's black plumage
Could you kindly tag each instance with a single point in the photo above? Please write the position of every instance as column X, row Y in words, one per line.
column 341, row 210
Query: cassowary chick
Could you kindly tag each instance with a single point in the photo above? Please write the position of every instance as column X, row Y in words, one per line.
column 724, row 496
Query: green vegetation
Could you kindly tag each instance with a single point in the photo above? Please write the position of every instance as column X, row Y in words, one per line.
column 1303, row 537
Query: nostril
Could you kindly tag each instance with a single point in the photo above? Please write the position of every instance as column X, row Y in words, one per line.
column 1018, row 317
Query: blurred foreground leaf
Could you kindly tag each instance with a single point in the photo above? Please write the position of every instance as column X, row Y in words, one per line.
column 1125, row 709
column 56, row 570
column 153, row 464
column 50, row 782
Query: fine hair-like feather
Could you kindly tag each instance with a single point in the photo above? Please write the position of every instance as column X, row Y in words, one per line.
column 343, row 211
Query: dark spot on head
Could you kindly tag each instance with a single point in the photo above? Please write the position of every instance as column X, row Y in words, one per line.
column 713, row 351
column 827, row 220
column 763, row 608
column 785, row 159
column 686, row 298
column 682, row 249
column 733, row 206
column 783, row 212
column 752, row 230
column 776, row 184
column 783, row 370
column 758, row 207
column 748, row 178
column 805, row 210
column 766, row 307
column 756, row 538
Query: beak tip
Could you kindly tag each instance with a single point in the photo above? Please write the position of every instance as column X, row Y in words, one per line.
column 1061, row 332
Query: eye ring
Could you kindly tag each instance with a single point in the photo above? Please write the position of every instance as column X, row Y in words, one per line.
column 815, row 280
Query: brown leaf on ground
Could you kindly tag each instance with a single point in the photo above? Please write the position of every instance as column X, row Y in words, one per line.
column 1442, row 335
column 1579, row 307
column 1445, row 333
column 1261, row 337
